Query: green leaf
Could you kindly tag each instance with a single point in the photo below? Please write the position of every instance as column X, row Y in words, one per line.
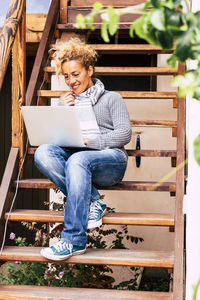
column 97, row 6
column 196, row 93
column 80, row 21
column 183, row 47
column 165, row 39
column 113, row 20
column 89, row 20
column 173, row 17
column 196, row 145
column 131, row 30
column 156, row 3
column 104, row 31
column 172, row 60
column 186, row 83
column 158, row 19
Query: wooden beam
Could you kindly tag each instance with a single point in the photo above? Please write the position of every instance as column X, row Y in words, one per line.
column 42, row 54
column 6, row 188
column 63, row 11
column 112, row 257
column 23, row 292
column 35, row 22
column 115, row 3
column 124, row 94
column 8, row 33
column 179, row 217
column 19, row 85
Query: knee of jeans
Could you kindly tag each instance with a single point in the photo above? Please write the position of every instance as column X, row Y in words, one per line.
column 78, row 159
column 41, row 153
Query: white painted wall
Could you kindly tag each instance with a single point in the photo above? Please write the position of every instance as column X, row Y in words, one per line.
column 192, row 200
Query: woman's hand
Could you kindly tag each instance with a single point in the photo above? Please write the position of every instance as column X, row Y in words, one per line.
column 67, row 98
column 85, row 141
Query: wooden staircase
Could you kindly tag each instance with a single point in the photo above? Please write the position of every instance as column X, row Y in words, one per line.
column 166, row 259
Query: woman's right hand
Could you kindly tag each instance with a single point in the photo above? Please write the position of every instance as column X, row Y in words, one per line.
column 67, row 98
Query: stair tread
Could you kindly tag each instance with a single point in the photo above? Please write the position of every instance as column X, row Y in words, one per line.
column 127, row 70
column 24, row 292
column 124, row 185
column 133, row 152
column 153, row 123
column 115, row 257
column 124, row 94
column 133, row 48
column 109, row 218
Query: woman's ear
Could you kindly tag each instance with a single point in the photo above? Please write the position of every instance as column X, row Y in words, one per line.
column 90, row 71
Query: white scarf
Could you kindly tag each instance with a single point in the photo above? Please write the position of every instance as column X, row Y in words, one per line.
column 83, row 105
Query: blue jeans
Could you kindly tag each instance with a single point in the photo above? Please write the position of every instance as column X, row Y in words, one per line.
column 74, row 172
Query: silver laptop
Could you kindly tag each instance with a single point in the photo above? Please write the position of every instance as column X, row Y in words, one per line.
column 57, row 125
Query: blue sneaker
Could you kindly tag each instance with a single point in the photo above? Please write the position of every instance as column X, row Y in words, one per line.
column 61, row 250
column 97, row 211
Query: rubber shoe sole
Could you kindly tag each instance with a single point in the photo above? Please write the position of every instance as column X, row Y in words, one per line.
column 94, row 224
column 50, row 256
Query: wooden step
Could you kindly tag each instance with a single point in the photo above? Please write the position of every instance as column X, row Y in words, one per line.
column 153, row 123
column 124, row 94
column 125, row 49
column 124, row 185
column 127, row 71
column 125, row 21
column 112, row 257
column 110, row 218
column 25, row 292
column 145, row 153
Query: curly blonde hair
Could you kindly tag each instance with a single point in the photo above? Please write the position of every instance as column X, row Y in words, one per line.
column 74, row 49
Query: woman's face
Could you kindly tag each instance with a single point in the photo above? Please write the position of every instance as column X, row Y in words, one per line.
column 76, row 76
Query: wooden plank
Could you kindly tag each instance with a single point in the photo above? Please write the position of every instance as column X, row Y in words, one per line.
column 153, row 123
column 124, row 94
column 126, row 48
column 35, row 22
column 110, row 218
column 152, row 153
column 63, row 11
column 146, row 153
column 42, row 54
column 72, row 26
column 6, row 188
column 19, row 87
column 115, row 3
column 24, row 292
column 112, row 257
column 123, row 186
column 33, row 37
column 127, row 71
column 179, row 217
column 127, row 19
column 7, row 35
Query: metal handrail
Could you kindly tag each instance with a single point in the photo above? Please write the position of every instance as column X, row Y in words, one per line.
column 8, row 33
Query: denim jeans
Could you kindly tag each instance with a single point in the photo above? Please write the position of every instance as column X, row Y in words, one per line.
column 75, row 172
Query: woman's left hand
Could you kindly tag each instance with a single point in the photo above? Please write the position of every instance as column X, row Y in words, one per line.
column 85, row 141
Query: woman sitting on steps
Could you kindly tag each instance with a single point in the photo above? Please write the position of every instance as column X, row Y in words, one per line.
column 105, row 127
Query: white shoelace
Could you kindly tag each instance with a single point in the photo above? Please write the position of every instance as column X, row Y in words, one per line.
column 61, row 245
column 94, row 208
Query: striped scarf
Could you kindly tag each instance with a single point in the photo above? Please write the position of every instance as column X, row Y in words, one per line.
column 83, row 105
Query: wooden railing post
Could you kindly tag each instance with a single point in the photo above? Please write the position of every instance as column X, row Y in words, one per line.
column 179, row 217
column 7, row 35
column 19, row 85
column 63, row 11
